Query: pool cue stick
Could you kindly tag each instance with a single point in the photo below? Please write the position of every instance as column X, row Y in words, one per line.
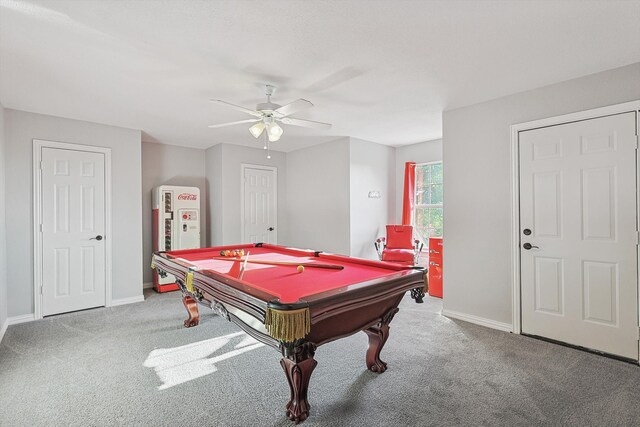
column 294, row 264
column 244, row 265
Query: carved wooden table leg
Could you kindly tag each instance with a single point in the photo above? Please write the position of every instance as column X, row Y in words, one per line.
column 418, row 294
column 298, row 364
column 378, row 335
column 192, row 308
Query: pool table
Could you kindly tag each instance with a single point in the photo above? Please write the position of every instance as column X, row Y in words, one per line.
column 294, row 300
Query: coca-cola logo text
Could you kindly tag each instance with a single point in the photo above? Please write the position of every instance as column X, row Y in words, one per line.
column 187, row 196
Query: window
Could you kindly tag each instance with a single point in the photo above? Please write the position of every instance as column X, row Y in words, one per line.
column 428, row 202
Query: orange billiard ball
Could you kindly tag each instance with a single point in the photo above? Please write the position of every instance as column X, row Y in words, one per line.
column 300, row 268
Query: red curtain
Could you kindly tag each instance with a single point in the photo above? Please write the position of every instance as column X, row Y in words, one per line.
column 409, row 193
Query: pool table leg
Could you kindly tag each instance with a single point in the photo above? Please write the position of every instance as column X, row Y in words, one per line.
column 418, row 294
column 192, row 308
column 298, row 364
column 378, row 335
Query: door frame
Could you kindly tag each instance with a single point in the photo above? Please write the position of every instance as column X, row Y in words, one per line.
column 38, row 145
column 243, row 167
column 627, row 107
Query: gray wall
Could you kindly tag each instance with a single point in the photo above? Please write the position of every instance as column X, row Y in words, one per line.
column 318, row 197
column 21, row 129
column 422, row 152
column 476, row 142
column 3, row 241
column 372, row 168
column 223, row 177
column 169, row 165
column 213, row 178
column 322, row 194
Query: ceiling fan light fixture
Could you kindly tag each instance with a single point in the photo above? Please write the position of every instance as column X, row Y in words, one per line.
column 274, row 131
column 268, row 115
column 257, row 129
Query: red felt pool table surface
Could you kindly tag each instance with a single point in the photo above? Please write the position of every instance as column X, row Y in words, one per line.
column 285, row 282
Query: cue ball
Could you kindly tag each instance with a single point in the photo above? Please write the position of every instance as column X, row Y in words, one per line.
column 300, row 268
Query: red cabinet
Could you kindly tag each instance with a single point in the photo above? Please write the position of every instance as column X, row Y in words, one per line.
column 435, row 267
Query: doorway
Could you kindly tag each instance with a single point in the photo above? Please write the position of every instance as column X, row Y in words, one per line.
column 259, row 204
column 71, row 227
column 577, row 233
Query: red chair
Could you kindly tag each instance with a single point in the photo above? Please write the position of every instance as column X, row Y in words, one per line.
column 399, row 245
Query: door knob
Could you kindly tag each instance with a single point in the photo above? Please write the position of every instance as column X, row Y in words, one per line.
column 98, row 238
column 528, row 246
column 526, row 232
column 270, row 229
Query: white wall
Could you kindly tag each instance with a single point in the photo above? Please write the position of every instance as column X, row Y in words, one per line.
column 315, row 207
column 422, row 152
column 3, row 246
column 21, row 129
column 318, row 197
column 372, row 168
column 477, row 209
column 169, row 165
column 213, row 177
column 223, row 177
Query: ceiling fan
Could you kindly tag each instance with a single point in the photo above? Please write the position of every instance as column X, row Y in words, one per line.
column 267, row 115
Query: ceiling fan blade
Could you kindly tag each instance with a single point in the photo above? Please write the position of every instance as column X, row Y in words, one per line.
column 234, row 123
column 305, row 123
column 237, row 107
column 292, row 107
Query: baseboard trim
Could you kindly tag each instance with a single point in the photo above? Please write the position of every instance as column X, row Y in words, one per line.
column 3, row 329
column 147, row 285
column 14, row 321
column 505, row 327
column 24, row 318
column 124, row 301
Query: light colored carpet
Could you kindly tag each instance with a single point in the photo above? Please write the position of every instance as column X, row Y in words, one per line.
column 124, row 366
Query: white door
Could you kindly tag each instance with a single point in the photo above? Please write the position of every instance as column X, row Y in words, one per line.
column 260, row 205
column 73, row 225
column 578, row 211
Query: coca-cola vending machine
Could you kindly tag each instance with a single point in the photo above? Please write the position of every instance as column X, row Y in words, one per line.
column 176, row 225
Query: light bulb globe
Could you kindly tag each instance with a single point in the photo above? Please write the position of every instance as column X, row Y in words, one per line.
column 274, row 131
column 257, row 129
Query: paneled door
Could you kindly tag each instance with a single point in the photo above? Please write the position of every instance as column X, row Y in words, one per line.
column 73, row 225
column 579, row 234
column 260, row 204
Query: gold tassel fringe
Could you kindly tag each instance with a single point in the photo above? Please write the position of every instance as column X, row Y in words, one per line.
column 288, row 325
column 189, row 282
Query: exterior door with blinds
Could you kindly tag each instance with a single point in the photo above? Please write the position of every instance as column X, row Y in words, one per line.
column 579, row 261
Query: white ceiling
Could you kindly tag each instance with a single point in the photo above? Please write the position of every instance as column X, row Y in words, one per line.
column 382, row 71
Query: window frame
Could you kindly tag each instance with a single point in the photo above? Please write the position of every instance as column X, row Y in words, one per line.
column 417, row 205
